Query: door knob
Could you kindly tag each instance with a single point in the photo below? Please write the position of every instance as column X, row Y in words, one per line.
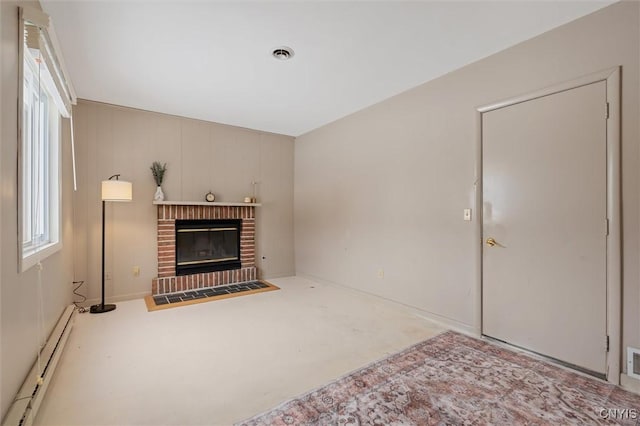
column 491, row 242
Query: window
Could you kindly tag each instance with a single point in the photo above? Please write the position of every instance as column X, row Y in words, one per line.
column 46, row 95
column 39, row 156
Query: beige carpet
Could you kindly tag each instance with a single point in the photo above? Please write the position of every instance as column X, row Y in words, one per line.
column 218, row 363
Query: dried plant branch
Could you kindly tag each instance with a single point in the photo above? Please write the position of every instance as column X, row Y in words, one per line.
column 158, row 170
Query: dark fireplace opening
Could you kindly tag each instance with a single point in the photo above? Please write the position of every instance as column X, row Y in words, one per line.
column 207, row 245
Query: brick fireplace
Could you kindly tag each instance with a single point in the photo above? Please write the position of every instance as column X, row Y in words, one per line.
column 168, row 212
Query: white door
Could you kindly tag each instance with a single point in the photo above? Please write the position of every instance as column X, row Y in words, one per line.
column 544, row 204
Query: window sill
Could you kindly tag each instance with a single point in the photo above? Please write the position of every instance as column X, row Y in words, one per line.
column 34, row 256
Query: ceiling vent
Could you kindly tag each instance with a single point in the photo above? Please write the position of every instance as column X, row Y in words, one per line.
column 283, row 53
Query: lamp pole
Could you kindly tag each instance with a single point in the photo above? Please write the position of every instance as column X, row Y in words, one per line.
column 102, row 307
column 103, row 246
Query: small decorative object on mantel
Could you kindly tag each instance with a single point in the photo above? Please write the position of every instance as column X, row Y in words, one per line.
column 210, row 197
column 253, row 198
column 158, row 170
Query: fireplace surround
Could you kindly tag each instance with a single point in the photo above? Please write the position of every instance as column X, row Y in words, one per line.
column 181, row 212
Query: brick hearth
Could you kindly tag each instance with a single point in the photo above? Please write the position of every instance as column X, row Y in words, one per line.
column 168, row 282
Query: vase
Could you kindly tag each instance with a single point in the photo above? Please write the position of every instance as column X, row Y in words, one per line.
column 159, row 195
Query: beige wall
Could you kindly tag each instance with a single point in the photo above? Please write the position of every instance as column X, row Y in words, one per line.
column 18, row 291
column 200, row 156
column 385, row 188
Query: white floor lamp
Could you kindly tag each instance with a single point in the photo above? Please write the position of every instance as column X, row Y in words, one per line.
column 112, row 190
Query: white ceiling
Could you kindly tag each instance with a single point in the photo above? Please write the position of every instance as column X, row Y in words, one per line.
column 212, row 60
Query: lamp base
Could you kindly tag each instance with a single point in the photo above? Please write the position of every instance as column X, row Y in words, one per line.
column 100, row 309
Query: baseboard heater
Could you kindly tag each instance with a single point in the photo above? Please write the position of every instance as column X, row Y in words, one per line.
column 25, row 406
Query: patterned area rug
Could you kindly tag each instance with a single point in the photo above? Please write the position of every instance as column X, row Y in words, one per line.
column 454, row 379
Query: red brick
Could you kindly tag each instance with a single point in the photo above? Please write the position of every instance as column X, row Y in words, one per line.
column 167, row 282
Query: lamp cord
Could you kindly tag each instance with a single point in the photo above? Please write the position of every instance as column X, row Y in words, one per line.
column 80, row 309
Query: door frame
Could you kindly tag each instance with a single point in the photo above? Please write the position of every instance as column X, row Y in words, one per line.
column 613, row 263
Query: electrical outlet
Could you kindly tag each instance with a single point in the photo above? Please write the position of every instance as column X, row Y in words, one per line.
column 136, row 271
column 381, row 273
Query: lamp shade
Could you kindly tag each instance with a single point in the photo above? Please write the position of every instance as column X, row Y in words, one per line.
column 116, row 190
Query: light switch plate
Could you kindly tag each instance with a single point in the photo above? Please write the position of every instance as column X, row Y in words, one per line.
column 467, row 214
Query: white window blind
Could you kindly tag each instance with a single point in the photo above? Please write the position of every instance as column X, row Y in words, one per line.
column 40, row 35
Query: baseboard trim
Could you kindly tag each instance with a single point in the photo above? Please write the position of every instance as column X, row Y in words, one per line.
column 440, row 320
column 278, row 275
column 142, row 295
column 122, row 298
column 629, row 383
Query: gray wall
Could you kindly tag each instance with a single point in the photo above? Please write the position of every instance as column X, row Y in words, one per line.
column 385, row 188
column 18, row 291
column 200, row 156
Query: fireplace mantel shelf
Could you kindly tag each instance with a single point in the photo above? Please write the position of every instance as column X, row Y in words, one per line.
column 204, row 203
